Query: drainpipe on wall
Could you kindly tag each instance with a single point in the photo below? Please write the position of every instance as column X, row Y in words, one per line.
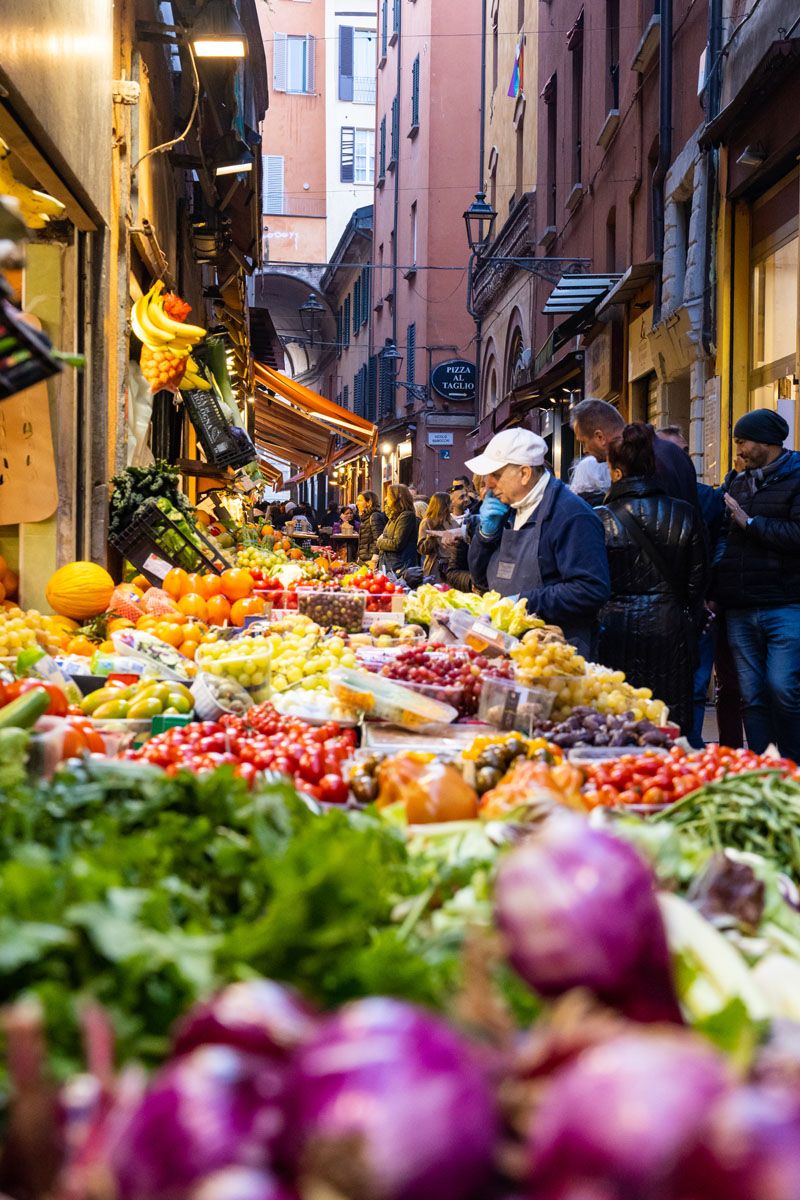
column 397, row 180
column 664, row 150
column 481, row 164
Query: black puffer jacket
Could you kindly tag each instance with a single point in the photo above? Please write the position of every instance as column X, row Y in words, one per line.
column 397, row 545
column 648, row 626
column 372, row 526
column 759, row 566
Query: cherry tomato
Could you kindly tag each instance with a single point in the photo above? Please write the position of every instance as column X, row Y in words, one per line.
column 58, row 701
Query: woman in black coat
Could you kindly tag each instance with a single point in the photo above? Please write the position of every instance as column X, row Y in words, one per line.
column 397, row 545
column 658, row 562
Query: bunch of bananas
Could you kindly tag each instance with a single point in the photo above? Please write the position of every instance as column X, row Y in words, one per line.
column 513, row 617
column 159, row 321
column 35, row 208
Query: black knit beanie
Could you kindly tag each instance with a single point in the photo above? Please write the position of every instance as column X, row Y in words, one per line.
column 762, row 425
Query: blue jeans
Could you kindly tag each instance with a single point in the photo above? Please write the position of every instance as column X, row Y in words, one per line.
column 766, row 648
column 702, row 678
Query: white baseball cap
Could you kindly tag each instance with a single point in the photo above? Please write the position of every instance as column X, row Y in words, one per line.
column 518, row 446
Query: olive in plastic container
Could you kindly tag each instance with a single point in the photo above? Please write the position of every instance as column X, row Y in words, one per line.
column 513, row 706
column 216, row 695
column 341, row 610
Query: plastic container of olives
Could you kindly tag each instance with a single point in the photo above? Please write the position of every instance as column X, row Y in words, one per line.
column 215, row 695
column 340, row 610
column 508, row 705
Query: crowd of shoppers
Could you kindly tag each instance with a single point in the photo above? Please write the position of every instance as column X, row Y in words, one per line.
column 645, row 568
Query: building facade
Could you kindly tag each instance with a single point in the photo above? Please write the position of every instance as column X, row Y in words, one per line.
column 428, row 168
column 754, row 136
column 502, row 293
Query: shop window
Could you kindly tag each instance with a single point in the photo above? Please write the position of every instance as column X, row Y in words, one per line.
column 294, row 66
column 773, row 324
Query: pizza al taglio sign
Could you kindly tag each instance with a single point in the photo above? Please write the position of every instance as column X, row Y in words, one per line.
column 454, row 379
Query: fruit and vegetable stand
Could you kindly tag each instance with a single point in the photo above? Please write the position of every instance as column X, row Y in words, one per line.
column 390, row 893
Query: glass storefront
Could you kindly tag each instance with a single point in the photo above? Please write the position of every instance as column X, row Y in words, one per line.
column 774, row 268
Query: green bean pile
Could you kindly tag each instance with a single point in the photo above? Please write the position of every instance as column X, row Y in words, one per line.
column 757, row 812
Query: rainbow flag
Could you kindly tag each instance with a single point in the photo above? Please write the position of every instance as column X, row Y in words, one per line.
column 517, row 75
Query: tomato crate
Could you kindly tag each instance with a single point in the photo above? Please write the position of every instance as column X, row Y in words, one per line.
column 153, row 543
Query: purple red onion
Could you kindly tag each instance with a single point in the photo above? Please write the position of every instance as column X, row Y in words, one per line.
column 212, row 1108
column 390, row 1103
column 578, row 909
column 623, row 1115
column 257, row 1016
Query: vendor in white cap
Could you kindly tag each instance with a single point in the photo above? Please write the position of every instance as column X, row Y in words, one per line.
column 537, row 539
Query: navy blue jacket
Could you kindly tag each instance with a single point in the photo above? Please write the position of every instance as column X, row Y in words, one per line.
column 675, row 472
column 759, row 566
column 572, row 560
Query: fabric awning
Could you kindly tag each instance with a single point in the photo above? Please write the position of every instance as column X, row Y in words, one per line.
column 295, row 423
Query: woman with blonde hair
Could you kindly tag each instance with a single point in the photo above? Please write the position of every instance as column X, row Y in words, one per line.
column 437, row 518
column 397, row 545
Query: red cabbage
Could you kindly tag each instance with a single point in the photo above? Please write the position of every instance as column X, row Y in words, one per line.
column 212, row 1108
column 750, row 1149
column 623, row 1116
column 257, row 1016
column 389, row 1103
column 241, row 1183
column 578, row 909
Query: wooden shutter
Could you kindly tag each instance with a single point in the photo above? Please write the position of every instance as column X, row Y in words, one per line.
column 384, row 28
column 346, row 322
column 365, row 280
column 346, row 62
column 415, row 93
column 274, row 198
column 382, row 151
column 411, row 352
column 280, row 64
column 395, row 130
column 347, row 154
column 371, row 398
column 311, row 72
column 356, row 307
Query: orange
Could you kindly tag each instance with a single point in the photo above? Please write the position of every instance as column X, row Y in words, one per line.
column 176, row 583
column 82, row 645
column 252, row 606
column 212, row 586
column 219, row 610
column 295, row 554
column 201, row 517
column 194, row 584
column 286, row 544
column 236, row 583
column 193, row 605
column 188, row 649
column 107, row 647
column 119, row 623
column 141, row 582
column 168, row 632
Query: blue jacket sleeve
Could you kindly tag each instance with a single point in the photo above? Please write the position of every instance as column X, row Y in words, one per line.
column 579, row 550
column 481, row 550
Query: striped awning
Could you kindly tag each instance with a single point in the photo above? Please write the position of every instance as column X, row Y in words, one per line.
column 297, row 425
column 573, row 292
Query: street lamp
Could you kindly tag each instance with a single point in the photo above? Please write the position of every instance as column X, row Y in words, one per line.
column 217, row 32
column 391, row 361
column 311, row 314
column 479, row 220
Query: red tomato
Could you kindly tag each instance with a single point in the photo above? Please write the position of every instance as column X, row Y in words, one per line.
column 334, row 790
column 58, row 701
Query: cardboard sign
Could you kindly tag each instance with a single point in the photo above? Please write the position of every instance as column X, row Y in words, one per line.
column 28, row 484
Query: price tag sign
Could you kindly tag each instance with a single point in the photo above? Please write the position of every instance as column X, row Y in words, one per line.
column 156, row 566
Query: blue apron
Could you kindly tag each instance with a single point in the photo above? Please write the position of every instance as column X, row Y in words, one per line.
column 514, row 569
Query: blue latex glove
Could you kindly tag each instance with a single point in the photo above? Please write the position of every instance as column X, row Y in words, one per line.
column 491, row 516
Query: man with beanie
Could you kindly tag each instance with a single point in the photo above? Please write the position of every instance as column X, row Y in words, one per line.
column 757, row 579
column 537, row 539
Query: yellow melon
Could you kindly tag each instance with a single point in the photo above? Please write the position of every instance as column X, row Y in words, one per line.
column 79, row 590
